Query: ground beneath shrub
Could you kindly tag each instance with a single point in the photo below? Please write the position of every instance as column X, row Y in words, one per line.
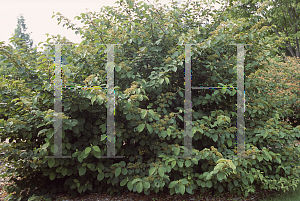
column 258, row 195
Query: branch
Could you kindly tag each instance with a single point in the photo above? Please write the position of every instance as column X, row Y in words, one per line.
column 98, row 32
column 288, row 45
column 290, row 12
column 297, row 46
column 152, row 34
column 160, row 17
column 286, row 15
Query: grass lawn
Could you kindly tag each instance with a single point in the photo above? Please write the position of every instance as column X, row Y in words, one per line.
column 291, row 195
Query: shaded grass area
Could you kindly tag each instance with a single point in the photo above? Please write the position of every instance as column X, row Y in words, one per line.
column 290, row 195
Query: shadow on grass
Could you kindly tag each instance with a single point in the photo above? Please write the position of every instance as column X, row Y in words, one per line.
column 290, row 195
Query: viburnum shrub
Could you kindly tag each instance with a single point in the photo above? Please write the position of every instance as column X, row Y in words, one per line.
column 149, row 86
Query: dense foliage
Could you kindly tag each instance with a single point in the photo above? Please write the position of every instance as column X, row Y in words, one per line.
column 149, row 86
column 281, row 16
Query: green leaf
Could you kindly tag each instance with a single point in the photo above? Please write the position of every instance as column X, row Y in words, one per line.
column 209, row 184
column 64, row 171
column 118, row 171
column 68, row 146
column 195, row 161
column 219, row 166
column 117, row 68
column 149, row 128
column 96, row 148
column 251, row 178
column 205, row 154
column 180, row 117
column 184, row 181
column 82, row 171
column 180, row 164
column 260, row 158
column 74, row 107
column 245, row 181
column 229, row 142
column 128, row 105
column 161, row 172
column 172, row 184
column 123, row 182
column 80, row 158
column 160, row 80
column 164, row 134
column 40, row 132
column 51, row 162
column 173, row 163
column 128, row 116
column 129, row 185
column 81, row 120
column 208, row 177
column 157, row 42
column 194, row 130
column 152, row 170
column 189, row 190
column 23, row 154
column 84, row 155
column 181, row 94
column 144, row 112
column 135, row 180
column 141, row 127
column 250, row 36
column 139, row 187
column 215, row 137
column 177, row 151
column 140, row 40
column 203, row 183
column 87, row 150
column 167, row 80
column 181, row 189
column 100, row 176
column 188, row 163
column 169, row 132
column 220, row 176
column 140, row 97
column 143, row 48
column 103, row 137
column 146, row 185
column 230, row 185
column 197, row 30
column 220, row 188
column 233, row 92
column 152, row 113
column 236, row 183
column 124, row 171
column 265, row 134
column 267, row 154
column 233, row 167
column 52, row 176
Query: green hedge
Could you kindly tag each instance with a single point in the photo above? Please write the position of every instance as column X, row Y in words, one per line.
column 149, row 96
